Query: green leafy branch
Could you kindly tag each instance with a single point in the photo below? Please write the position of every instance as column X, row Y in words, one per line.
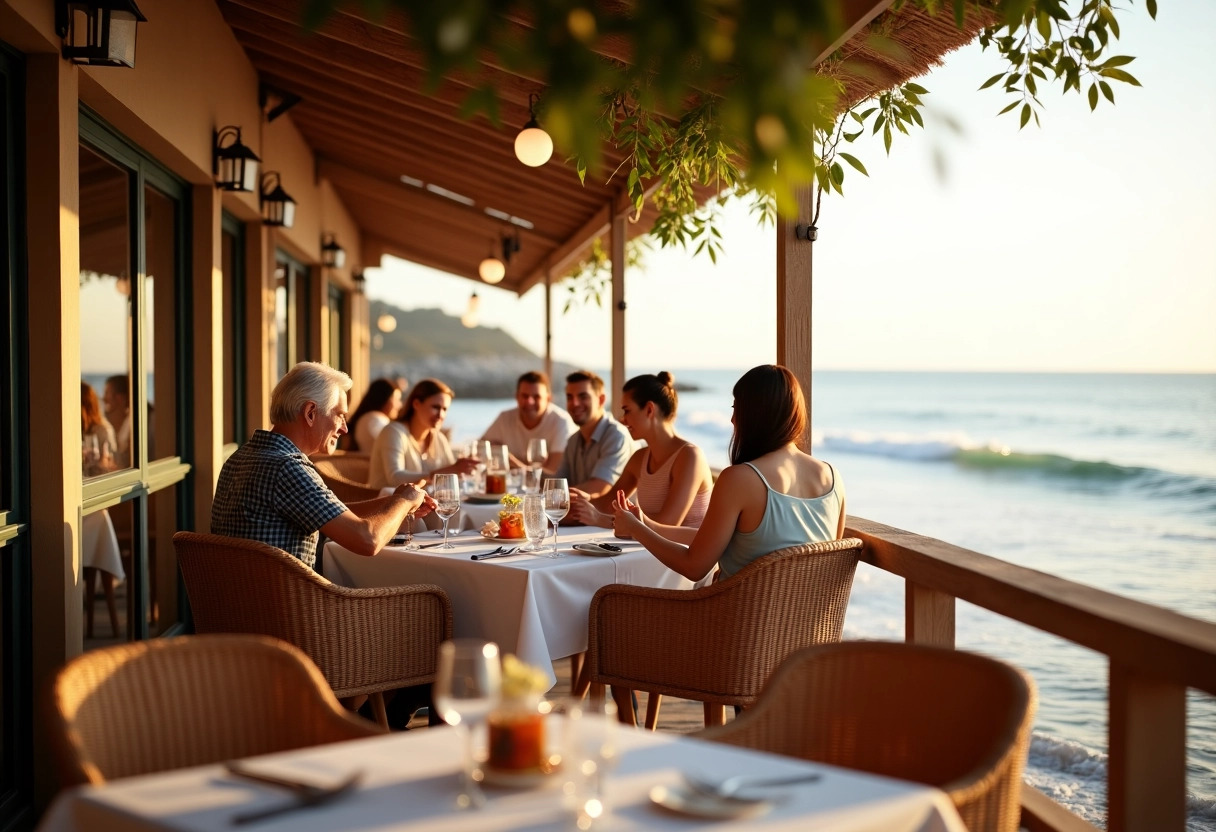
column 1041, row 38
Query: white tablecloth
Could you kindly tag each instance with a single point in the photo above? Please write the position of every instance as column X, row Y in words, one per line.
column 410, row 783
column 531, row 606
column 99, row 544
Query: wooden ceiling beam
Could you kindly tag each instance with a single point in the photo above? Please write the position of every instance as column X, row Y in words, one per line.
column 423, row 203
column 551, row 218
column 390, row 160
column 380, row 114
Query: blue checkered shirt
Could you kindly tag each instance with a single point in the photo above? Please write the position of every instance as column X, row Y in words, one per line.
column 269, row 491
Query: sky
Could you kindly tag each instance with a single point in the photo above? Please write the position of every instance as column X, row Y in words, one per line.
column 1088, row 244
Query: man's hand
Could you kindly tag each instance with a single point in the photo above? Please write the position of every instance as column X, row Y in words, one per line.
column 582, row 513
column 422, row 503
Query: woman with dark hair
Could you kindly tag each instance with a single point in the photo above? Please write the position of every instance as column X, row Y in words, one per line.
column 670, row 476
column 773, row 495
column 379, row 406
column 97, row 443
column 414, row 447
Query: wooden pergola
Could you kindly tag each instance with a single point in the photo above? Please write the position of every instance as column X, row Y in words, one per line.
column 428, row 186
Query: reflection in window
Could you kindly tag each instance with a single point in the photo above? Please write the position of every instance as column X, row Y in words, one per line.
column 105, row 306
column 282, row 319
column 337, row 341
column 160, row 234
column 290, row 311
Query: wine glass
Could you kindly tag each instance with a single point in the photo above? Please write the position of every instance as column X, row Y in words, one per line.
column 446, row 492
column 557, row 505
column 467, row 684
column 536, row 524
column 590, row 751
column 538, row 451
column 481, row 453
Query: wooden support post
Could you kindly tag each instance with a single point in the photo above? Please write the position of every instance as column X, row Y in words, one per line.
column 928, row 616
column 555, row 387
column 618, row 307
column 794, row 297
column 1146, row 790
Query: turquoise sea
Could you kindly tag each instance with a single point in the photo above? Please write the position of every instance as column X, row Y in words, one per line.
column 1104, row 479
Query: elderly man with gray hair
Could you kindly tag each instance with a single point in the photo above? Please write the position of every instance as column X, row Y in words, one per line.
column 269, row 490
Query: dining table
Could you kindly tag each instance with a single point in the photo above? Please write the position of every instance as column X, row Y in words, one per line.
column 530, row 605
column 410, row 781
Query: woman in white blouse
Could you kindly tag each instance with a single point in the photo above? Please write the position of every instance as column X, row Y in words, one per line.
column 414, row 447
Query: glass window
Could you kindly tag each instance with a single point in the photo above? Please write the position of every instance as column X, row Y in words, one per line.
column 337, row 330
column 133, row 339
column 160, row 305
column 290, row 311
column 105, row 315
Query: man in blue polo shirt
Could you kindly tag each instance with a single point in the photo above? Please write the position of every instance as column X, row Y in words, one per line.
column 269, row 490
column 596, row 454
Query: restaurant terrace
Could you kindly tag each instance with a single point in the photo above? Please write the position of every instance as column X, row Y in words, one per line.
column 136, row 237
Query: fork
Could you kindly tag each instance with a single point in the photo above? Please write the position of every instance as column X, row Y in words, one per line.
column 497, row 553
column 305, row 796
column 728, row 789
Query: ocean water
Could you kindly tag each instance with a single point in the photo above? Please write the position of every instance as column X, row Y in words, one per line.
column 1104, row 479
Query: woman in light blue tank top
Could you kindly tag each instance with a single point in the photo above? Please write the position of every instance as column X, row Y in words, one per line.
column 772, row 496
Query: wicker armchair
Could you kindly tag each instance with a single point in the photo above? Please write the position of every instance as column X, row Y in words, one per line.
column 365, row 641
column 957, row 721
column 346, row 475
column 171, row 703
column 718, row 644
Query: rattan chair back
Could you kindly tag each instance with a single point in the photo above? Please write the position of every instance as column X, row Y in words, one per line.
column 346, row 475
column 156, row 705
column 364, row 640
column 955, row 720
column 718, row 644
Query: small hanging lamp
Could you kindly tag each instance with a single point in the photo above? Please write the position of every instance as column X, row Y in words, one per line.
column 491, row 269
column 533, row 146
column 473, row 313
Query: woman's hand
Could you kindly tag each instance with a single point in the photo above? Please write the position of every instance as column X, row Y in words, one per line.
column 627, row 517
column 464, row 465
column 585, row 514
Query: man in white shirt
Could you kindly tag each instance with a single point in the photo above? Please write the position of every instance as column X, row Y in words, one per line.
column 536, row 417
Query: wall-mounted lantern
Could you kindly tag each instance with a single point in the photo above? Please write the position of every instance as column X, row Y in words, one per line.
column 234, row 165
column 98, row 32
column 278, row 208
column 333, row 256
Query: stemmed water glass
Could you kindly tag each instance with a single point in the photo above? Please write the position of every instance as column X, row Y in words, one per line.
column 556, row 494
column 446, row 492
column 538, row 451
column 536, row 524
column 467, row 685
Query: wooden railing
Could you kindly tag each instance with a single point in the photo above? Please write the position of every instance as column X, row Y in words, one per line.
column 1154, row 654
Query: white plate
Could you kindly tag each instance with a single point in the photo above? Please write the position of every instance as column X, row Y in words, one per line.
column 519, row 779
column 522, row 541
column 686, row 801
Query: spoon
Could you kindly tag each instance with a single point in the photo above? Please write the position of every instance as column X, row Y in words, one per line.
column 728, row 789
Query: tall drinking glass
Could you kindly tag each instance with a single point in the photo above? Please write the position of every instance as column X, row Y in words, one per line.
column 536, row 524
column 533, row 475
column 538, row 451
column 588, row 755
column 556, row 494
column 467, row 685
column 481, row 453
column 446, row 492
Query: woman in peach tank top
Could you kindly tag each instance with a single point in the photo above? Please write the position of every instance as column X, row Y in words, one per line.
column 670, row 476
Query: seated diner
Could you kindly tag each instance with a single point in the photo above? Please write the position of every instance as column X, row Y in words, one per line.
column 414, row 447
